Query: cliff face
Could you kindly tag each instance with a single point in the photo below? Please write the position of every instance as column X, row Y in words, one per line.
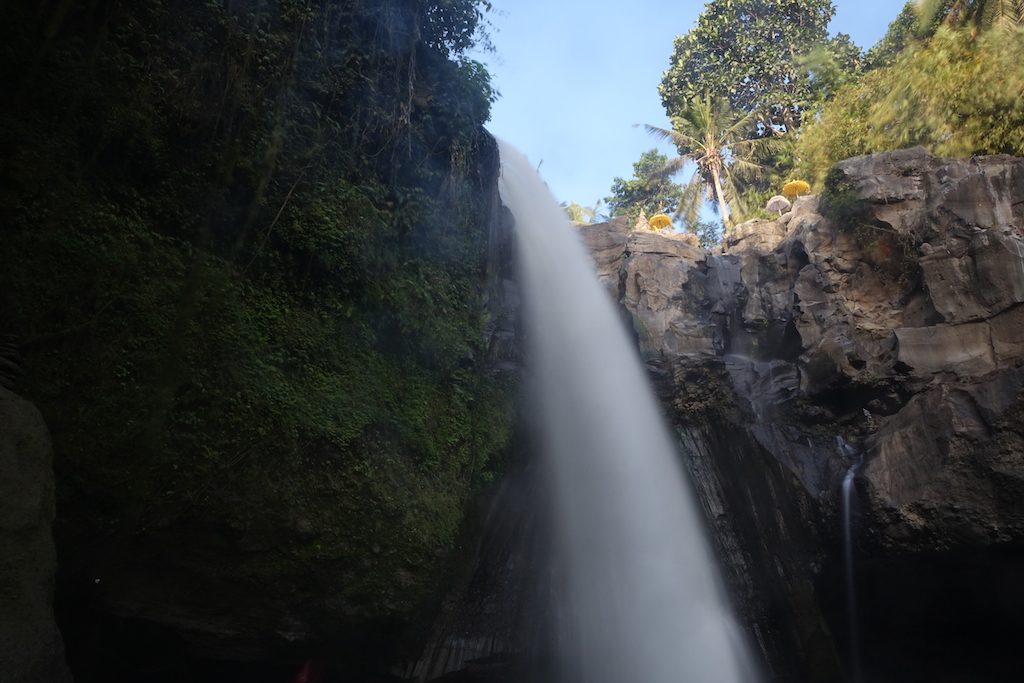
column 251, row 297
column 879, row 329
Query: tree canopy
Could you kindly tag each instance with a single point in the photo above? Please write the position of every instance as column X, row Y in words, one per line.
column 957, row 93
column 750, row 52
column 920, row 19
column 578, row 213
column 454, row 26
column 649, row 189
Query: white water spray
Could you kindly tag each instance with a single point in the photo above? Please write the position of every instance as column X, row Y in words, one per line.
column 641, row 596
column 853, row 623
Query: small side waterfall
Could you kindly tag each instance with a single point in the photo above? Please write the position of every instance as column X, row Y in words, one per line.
column 639, row 593
column 848, row 491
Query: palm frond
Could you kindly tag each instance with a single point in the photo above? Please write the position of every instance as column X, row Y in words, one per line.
column 984, row 14
column 756, row 146
column 717, row 140
column 672, row 167
column 1001, row 14
column 680, row 140
column 744, row 168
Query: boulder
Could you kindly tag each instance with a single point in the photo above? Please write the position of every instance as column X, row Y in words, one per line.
column 662, row 281
column 759, row 235
column 964, row 350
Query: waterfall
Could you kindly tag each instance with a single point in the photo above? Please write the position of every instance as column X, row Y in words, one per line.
column 639, row 593
column 848, row 490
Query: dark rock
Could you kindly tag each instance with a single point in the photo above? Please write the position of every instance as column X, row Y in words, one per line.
column 606, row 242
column 10, row 362
column 31, row 649
column 280, row 554
column 757, row 235
column 491, row 624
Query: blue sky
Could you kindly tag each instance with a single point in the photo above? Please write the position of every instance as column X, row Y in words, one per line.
column 575, row 75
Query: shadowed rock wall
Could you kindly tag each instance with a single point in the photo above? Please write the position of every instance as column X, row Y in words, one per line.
column 31, row 650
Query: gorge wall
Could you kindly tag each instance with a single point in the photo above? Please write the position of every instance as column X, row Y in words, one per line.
column 250, row 262
column 878, row 327
column 31, row 648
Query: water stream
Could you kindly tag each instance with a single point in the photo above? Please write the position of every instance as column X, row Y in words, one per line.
column 639, row 593
column 848, row 491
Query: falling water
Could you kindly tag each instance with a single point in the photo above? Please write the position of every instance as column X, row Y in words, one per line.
column 853, row 623
column 640, row 597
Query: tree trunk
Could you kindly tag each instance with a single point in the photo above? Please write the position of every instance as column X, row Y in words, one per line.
column 723, row 206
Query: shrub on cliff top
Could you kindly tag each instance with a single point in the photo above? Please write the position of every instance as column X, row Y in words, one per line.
column 796, row 188
column 959, row 94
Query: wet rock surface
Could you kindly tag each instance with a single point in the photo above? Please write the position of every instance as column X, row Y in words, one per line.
column 880, row 327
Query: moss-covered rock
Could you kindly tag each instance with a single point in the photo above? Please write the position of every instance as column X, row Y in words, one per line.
column 245, row 258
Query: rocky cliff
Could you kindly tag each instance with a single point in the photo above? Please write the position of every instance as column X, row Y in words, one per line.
column 876, row 330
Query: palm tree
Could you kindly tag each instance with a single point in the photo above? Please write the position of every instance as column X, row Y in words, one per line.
column 983, row 14
column 717, row 139
column 578, row 213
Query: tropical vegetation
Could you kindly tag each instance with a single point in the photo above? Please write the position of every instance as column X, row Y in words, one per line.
column 579, row 213
column 959, row 93
column 752, row 53
column 946, row 75
column 716, row 140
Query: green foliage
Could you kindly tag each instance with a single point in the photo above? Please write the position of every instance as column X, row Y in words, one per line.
column 919, row 20
column 453, row 26
column 841, row 203
column 842, row 130
column 957, row 94
column 830, row 66
column 903, row 30
column 709, row 234
column 978, row 14
column 753, row 53
column 578, row 213
column 649, row 189
column 244, row 251
column 776, row 161
column 716, row 139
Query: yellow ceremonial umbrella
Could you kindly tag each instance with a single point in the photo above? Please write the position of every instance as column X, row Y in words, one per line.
column 659, row 221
